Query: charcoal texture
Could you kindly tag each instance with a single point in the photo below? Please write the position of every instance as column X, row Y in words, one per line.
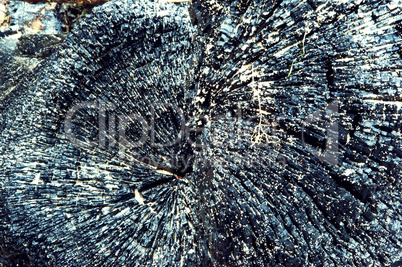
column 224, row 133
column 39, row 45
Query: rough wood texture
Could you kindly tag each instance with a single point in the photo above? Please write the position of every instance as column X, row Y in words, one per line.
column 246, row 187
column 87, row 2
column 79, row 2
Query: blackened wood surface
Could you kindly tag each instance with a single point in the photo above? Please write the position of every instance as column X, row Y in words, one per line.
column 255, row 192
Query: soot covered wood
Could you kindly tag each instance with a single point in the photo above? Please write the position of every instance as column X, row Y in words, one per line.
column 158, row 137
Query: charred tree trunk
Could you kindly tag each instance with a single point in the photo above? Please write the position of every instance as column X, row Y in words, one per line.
column 241, row 133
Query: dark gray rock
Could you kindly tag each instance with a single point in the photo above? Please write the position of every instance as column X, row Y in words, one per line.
column 266, row 161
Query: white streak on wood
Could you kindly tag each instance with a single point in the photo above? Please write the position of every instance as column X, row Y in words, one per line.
column 138, row 197
column 164, row 172
column 36, row 180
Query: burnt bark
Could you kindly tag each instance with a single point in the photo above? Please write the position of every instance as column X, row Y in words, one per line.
column 281, row 129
